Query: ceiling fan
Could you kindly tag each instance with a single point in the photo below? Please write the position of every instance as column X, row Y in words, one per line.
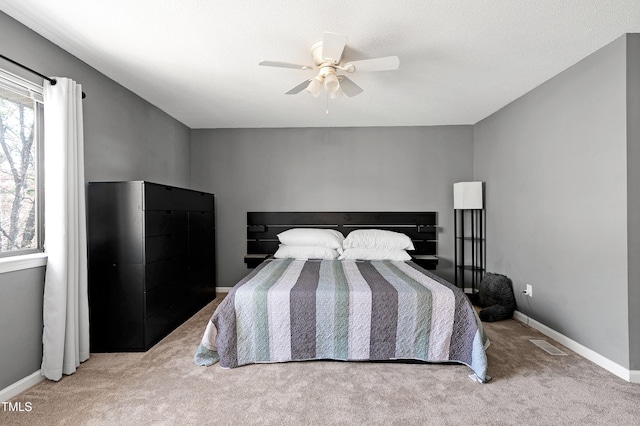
column 326, row 55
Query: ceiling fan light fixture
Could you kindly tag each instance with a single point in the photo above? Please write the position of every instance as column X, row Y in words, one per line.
column 336, row 94
column 331, row 83
column 314, row 87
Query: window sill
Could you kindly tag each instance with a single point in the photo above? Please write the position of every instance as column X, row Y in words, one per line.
column 18, row 263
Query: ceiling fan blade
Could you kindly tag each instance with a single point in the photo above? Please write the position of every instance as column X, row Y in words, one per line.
column 280, row 64
column 299, row 88
column 333, row 46
column 349, row 87
column 388, row 63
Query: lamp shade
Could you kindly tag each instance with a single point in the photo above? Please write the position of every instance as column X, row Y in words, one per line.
column 331, row 83
column 314, row 87
column 467, row 195
column 336, row 94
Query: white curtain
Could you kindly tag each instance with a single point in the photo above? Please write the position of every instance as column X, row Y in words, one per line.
column 66, row 307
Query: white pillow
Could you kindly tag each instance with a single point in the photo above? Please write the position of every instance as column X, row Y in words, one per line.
column 374, row 254
column 329, row 238
column 377, row 239
column 305, row 252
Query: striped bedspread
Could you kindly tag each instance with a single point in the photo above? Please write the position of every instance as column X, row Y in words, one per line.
column 288, row 310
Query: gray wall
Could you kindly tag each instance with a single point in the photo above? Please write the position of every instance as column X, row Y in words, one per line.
column 555, row 163
column 633, row 192
column 126, row 138
column 399, row 168
column 20, row 324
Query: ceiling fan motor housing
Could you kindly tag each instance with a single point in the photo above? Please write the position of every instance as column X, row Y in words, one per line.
column 316, row 53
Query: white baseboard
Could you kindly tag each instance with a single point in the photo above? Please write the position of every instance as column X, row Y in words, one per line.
column 20, row 386
column 223, row 289
column 632, row 376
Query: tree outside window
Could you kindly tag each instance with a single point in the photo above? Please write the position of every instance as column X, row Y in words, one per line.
column 18, row 173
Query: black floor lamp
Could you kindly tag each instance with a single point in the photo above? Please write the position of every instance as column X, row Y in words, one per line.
column 469, row 235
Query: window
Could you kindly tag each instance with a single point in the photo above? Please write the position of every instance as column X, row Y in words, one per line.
column 21, row 113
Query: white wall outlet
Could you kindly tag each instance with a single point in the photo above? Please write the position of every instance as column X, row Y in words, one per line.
column 529, row 290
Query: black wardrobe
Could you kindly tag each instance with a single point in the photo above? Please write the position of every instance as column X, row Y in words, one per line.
column 151, row 261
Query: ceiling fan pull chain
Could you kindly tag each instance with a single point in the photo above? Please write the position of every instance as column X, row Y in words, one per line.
column 327, row 110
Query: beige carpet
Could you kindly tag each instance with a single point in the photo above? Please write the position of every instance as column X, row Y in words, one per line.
column 163, row 386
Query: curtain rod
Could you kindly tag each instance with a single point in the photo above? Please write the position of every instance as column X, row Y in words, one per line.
column 50, row 80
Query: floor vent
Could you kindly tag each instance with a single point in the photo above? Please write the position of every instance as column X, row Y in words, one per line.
column 547, row 347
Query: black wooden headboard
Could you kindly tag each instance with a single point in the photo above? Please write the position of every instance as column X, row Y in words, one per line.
column 263, row 228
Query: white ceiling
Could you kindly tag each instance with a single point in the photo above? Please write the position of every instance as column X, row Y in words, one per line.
column 197, row 60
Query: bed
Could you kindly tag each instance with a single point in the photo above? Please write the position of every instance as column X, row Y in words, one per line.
column 294, row 308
